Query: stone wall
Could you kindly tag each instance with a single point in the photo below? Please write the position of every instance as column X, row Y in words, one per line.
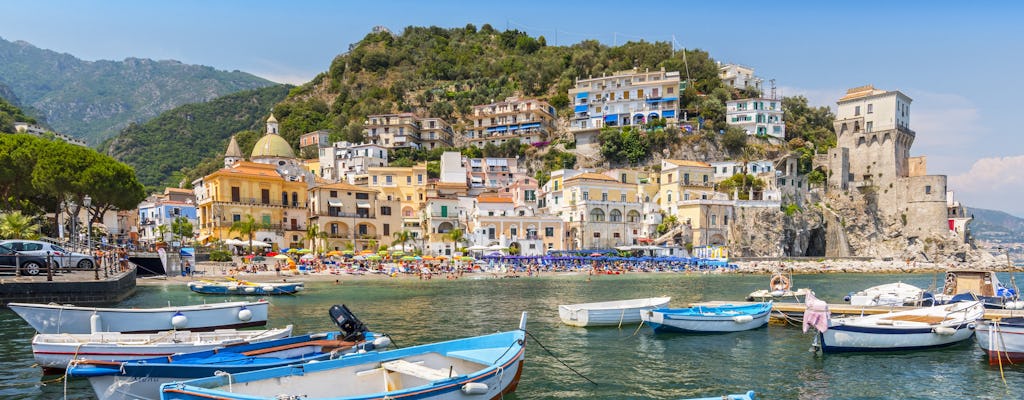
column 69, row 292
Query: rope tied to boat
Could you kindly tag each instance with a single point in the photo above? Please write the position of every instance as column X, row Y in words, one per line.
column 558, row 359
column 227, row 374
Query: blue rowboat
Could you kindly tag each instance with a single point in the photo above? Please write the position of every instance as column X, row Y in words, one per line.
column 481, row 367
column 141, row 379
column 724, row 318
column 245, row 288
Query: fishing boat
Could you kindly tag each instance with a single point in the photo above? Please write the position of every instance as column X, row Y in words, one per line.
column 609, row 313
column 749, row 395
column 916, row 329
column 141, row 379
column 1002, row 339
column 56, row 350
column 719, row 319
column 240, row 287
column 780, row 288
column 57, row 318
column 983, row 286
column 890, row 294
column 481, row 367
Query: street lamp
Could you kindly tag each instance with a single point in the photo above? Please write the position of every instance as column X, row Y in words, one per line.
column 87, row 202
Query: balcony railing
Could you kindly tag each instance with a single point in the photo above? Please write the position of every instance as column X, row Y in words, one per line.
column 253, row 200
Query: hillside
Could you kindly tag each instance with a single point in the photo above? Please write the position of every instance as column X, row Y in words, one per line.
column 184, row 137
column 95, row 100
column 9, row 114
column 993, row 225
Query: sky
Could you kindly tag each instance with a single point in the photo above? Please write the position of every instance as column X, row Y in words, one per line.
column 959, row 62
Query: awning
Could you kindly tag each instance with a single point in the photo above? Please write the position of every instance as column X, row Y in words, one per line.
column 531, row 125
column 668, row 114
column 333, row 203
column 582, row 95
column 611, row 118
column 363, row 205
column 500, row 128
column 638, row 116
column 581, row 108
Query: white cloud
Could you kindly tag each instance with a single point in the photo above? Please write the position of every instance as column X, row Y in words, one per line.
column 994, row 183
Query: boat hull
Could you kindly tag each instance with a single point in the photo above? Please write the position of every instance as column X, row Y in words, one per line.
column 849, row 339
column 662, row 322
column 46, row 318
column 254, row 289
column 56, row 351
column 613, row 313
column 484, row 367
column 1003, row 343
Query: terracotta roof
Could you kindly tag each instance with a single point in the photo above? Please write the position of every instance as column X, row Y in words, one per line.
column 593, row 176
column 861, row 91
column 687, row 163
column 494, row 200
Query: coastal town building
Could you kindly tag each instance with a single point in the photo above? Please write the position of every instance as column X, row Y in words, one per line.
column 601, row 212
column 739, row 76
column 393, row 130
column 271, row 188
column 310, row 143
column 435, row 133
column 490, row 173
column 497, row 222
column 343, row 161
column 158, row 211
column 25, row 127
column 552, row 193
column 758, row 117
column 353, row 217
column 528, row 120
column 688, row 192
column 625, row 98
column 873, row 140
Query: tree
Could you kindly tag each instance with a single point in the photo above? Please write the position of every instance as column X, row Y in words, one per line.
column 247, row 227
column 456, row 236
column 315, row 235
column 402, row 237
column 15, row 225
column 734, row 139
column 181, row 228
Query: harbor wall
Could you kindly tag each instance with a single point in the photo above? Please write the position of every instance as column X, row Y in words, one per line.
column 79, row 292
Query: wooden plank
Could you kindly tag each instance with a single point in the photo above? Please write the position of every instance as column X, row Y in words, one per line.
column 416, row 370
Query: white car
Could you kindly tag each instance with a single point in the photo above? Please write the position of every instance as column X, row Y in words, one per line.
column 61, row 258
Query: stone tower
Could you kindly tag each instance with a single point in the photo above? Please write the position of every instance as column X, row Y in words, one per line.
column 234, row 154
column 875, row 126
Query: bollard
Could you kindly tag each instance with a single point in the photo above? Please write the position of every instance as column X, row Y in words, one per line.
column 49, row 266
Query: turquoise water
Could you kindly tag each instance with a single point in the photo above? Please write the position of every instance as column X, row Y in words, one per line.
column 773, row 361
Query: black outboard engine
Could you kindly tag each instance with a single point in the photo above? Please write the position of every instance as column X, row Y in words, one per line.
column 350, row 326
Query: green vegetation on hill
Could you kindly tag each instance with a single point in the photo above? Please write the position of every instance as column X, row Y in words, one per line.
column 9, row 114
column 95, row 100
column 190, row 140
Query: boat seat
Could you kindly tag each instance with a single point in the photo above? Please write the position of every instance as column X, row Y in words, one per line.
column 928, row 319
column 416, row 370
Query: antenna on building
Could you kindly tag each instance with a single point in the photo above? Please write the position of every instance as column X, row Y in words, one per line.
column 772, row 81
column 686, row 64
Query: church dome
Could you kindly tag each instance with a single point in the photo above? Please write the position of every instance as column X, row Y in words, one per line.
column 271, row 145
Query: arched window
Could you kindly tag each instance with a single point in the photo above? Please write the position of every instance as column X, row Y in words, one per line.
column 633, row 216
column 615, row 216
column 669, row 197
column 295, row 199
column 597, row 215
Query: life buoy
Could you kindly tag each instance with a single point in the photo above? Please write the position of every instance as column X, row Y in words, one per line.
column 779, row 282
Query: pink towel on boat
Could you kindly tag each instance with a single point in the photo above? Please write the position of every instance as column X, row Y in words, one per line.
column 816, row 314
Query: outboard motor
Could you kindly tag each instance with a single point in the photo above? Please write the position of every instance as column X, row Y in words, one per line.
column 351, row 327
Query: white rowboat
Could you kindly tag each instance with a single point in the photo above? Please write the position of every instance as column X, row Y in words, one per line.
column 56, row 318
column 916, row 329
column 56, row 350
column 609, row 313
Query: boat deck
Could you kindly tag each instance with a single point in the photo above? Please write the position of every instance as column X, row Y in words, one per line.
column 846, row 309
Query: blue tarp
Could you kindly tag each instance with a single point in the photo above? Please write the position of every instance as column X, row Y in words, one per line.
column 611, row 118
column 582, row 95
column 581, row 108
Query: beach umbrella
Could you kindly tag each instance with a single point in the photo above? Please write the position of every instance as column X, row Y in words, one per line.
column 359, row 258
column 397, row 253
column 304, row 251
column 347, row 252
column 271, row 253
column 249, row 256
column 308, row 257
column 285, row 250
column 418, row 258
column 466, row 258
column 333, row 253
column 408, row 258
column 282, row 257
column 373, row 257
column 293, row 251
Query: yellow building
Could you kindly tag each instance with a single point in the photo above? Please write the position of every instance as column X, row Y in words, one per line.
column 353, row 216
column 687, row 191
column 271, row 188
column 602, row 212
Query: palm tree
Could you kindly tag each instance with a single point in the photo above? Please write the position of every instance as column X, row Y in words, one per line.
column 401, row 238
column 456, row 235
column 314, row 235
column 16, row 225
column 246, row 227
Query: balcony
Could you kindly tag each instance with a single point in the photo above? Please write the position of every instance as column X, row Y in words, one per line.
column 256, row 201
column 342, row 214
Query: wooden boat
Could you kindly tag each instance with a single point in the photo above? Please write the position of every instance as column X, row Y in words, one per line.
column 1002, row 340
column 141, row 379
column 916, row 329
column 984, row 286
column 780, row 288
column 749, row 395
column 725, row 318
column 56, row 318
column 56, row 350
column 240, row 287
column 609, row 313
column 482, row 367
column 890, row 294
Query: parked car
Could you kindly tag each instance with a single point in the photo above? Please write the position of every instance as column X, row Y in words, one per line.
column 61, row 258
column 30, row 265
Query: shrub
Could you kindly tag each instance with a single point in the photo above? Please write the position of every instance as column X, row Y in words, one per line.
column 220, row 255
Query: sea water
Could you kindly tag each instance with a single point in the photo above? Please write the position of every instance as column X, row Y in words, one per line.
column 625, row 363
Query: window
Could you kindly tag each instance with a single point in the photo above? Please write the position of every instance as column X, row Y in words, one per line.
column 615, row 235
column 265, row 196
column 868, row 126
column 597, row 215
column 387, row 229
column 597, row 235
column 387, row 180
column 236, row 217
column 363, row 196
column 870, row 108
column 622, row 178
column 549, row 232
column 604, row 196
column 284, row 198
column 586, row 195
column 856, row 110
column 419, row 178
column 408, row 180
column 385, row 211
column 513, row 231
column 686, row 178
column 714, row 218
column 928, row 189
column 334, row 193
column 725, row 220
column 622, row 197
column 375, row 179
column 235, row 196
column 639, row 93
column 266, row 219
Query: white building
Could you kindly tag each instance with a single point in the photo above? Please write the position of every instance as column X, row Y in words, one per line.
column 739, row 76
column 344, row 160
column 626, row 98
column 760, row 116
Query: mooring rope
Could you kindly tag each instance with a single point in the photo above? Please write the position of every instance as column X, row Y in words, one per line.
column 558, row 359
